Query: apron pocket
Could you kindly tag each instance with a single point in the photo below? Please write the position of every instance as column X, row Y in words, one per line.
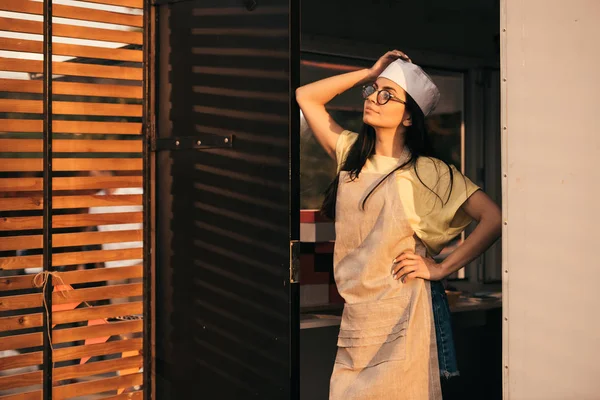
column 373, row 333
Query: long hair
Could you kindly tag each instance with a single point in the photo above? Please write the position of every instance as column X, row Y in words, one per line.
column 417, row 141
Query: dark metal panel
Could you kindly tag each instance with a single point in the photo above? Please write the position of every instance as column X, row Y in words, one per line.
column 225, row 305
column 47, row 212
column 147, row 123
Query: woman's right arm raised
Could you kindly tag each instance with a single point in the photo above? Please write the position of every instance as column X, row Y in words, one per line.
column 313, row 97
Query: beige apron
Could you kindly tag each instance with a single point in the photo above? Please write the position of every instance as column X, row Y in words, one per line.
column 386, row 345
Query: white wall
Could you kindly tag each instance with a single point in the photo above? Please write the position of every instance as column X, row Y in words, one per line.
column 551, row 148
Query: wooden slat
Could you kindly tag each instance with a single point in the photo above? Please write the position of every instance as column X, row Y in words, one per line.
column 71, row 108
column 15, row 223
column 21, row 322
column 109, row 200
column 70, row 239
column 37, row 395
column 70, row 183
column 100, row 349
column 76, row 127
column 21, row 380
column 101, row 274
column 95, row 368
column 21, row 360
column 22, row 125
column 73, row 50
column 97, row 164
column 96, row 256
column 62, row 202
column 70, row 221
column 96, row 331
column 97, row 312
column 72, row 69
column 97, row 293
column 72, row 164
column 72, row 88
column 21, row 25
column 96, row 386
column 16, row 282
column 20, row 262
column 88, row 238
column 77, row 220
column 80, row 13
column 137, row 395
column 71, row 146
column 16, row 342
column 101, row 109
column 21, row 145
column 121, row 3
column 71, row 31
column 89, row 127
column 21, row 242
column 20, row 302
column 22, row 45
column 73, row 277
column 75, row 258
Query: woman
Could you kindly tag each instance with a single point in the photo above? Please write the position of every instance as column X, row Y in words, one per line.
column 395, row 207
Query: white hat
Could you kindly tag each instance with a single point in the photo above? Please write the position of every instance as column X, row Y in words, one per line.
column 415, row 82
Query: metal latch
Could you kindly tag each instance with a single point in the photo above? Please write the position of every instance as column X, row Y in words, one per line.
column 192, row 142
column 294, row 261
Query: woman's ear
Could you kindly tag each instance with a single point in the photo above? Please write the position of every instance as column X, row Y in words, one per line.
column 407, row 121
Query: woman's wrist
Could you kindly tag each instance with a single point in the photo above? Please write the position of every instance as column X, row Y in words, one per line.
column 371, row 76
column 445, row 269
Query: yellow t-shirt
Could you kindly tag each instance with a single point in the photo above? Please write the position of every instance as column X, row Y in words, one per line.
column 434, row 222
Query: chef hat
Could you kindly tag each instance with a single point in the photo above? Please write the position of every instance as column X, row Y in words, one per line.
column 415, row 82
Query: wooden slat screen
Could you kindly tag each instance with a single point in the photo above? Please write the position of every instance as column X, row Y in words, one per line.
column 97, row 232
column 21, row 314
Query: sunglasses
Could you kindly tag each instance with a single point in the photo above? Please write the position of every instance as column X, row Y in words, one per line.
column 383, row 95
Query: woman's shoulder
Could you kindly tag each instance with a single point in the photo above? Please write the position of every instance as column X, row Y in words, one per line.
column 431, row 170
column 432, row 165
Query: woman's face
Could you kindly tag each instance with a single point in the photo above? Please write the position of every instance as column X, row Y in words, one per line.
column 389, row 115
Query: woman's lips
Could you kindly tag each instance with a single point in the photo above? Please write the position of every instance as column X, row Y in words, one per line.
column 368, row 109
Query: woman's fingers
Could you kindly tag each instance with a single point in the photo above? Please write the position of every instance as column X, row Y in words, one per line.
column 406, row 255
column 404, row 271
column 401, row 269
column 404, row 263
column 409, row 277
column 401, row 54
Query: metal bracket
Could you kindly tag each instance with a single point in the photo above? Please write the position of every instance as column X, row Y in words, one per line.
column 294, row 261
column 192, row 142
column 249, row 4
column 163, row 2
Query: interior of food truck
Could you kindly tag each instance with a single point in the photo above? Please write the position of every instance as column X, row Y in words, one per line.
column 457, row 44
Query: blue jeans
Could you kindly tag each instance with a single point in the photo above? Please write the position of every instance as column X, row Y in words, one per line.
column 443, row 331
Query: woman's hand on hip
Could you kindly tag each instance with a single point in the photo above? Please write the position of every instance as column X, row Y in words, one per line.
column 409, row 266
column 385, row 60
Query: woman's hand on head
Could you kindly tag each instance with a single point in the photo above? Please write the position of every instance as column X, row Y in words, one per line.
column 409, row 266
column 385, row 60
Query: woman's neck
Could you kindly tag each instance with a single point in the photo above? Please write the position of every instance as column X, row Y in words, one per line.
column 389, row 142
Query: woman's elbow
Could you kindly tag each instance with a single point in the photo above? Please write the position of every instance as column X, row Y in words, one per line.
column 494, row 216
column 300, row 94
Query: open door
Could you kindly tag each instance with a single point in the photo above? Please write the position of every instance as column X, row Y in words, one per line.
column 227, row 210
column 550, row 188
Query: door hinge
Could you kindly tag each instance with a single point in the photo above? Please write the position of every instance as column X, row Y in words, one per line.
column 192, row 142
column 294, row 261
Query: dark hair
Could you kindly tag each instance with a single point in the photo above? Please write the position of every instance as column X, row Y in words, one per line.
column 416, row 139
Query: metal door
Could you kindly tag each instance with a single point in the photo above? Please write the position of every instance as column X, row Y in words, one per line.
column 226, row 143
